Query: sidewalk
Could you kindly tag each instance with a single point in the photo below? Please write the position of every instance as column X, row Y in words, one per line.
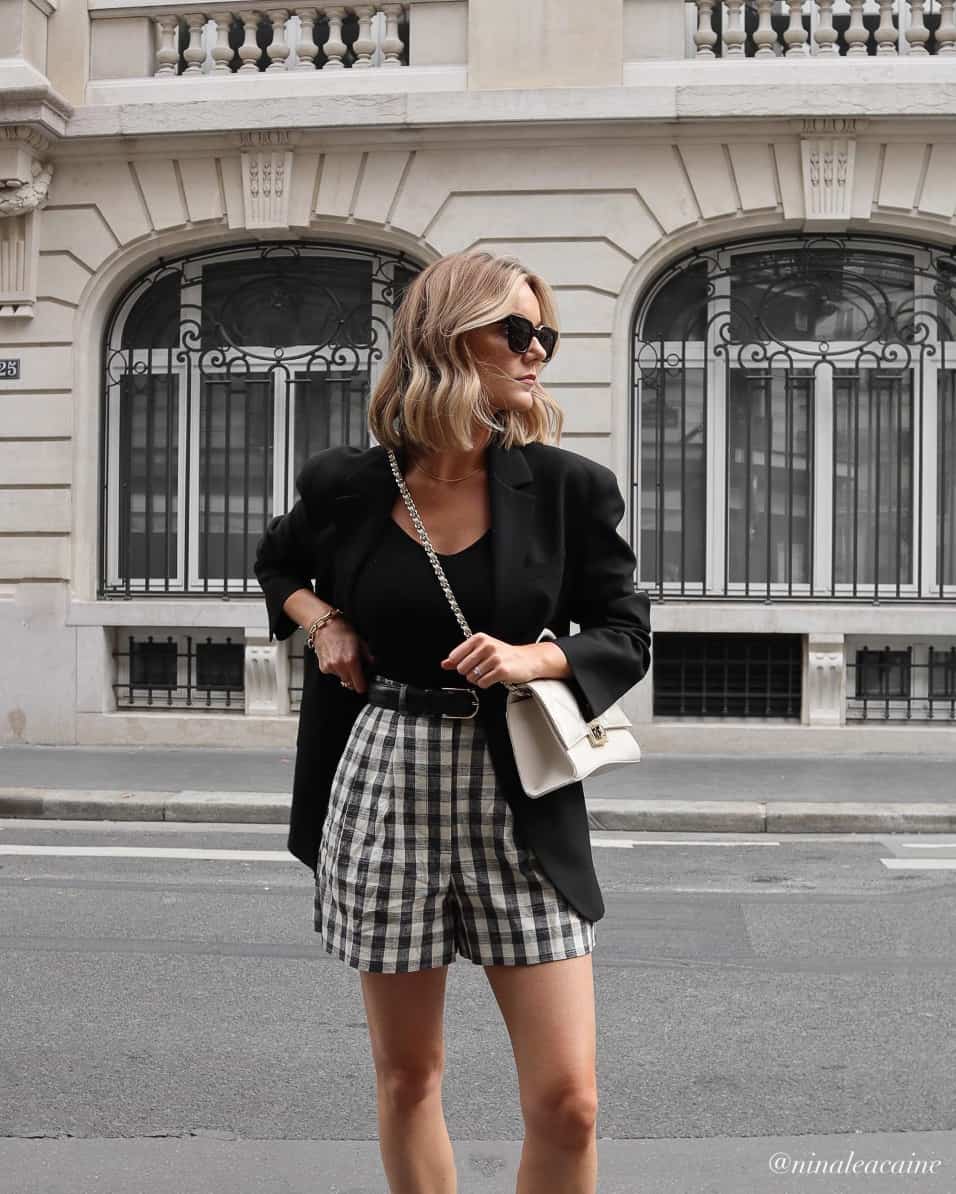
column 674, row 793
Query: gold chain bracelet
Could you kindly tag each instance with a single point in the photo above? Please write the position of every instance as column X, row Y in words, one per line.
column 317, row 624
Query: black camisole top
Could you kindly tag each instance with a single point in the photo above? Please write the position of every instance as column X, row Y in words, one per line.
column 402, row 613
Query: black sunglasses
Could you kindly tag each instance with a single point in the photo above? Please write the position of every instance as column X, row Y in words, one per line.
column 520, row 332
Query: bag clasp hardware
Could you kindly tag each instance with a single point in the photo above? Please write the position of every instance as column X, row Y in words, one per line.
column 597, row 735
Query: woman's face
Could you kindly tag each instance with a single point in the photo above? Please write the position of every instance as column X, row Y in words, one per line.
column 500, row 369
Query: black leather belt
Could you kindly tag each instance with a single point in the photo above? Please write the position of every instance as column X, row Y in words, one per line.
column 460, row 703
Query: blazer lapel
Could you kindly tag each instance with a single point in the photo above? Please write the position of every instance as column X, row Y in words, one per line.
column 361, row 510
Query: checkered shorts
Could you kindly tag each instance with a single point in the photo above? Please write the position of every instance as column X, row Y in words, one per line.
column 418, row 857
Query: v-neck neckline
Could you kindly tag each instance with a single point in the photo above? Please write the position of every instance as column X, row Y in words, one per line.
column 453, row 556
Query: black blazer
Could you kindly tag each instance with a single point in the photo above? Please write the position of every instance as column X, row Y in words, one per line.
column 557, row 557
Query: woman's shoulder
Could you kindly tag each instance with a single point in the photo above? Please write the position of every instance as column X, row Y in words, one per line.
column 322, row 472
column 550, row 460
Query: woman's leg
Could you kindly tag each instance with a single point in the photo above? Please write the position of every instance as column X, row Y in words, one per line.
column 548, row 1009
column 404, row 1013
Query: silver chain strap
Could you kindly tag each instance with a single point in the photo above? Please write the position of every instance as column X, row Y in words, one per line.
column 426, row 543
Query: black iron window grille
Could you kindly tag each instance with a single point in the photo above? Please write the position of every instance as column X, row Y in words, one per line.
column 883, row 674
column 793, row 422
column 223, row 372
column 296, row 672
column 177, row 671
column 912, row 683
column 727, row 675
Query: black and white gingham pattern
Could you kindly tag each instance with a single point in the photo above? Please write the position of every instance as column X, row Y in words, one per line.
column 418, row 858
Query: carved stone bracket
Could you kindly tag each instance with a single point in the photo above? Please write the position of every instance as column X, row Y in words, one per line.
column 266, row 677
column 24, row 184
column 828, row 152
column 266, row 178
column 825, row 697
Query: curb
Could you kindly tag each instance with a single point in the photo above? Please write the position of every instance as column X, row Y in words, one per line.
column 674, row 816
column 118, row 805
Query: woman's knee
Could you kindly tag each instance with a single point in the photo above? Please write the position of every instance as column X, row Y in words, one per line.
column 404, row 1087
column 565, row 1113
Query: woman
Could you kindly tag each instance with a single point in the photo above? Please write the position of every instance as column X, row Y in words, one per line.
column 422, row 840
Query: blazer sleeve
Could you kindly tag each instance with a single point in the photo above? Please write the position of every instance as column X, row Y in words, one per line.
column 287, row 553
column 612, row 651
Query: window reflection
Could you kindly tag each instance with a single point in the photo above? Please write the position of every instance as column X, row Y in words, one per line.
column 673, row 478
column 817, row 295
column 873, row 477
column 235, row 472
column 769, row 477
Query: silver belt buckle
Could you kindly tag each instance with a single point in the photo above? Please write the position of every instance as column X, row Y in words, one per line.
column 464, row 716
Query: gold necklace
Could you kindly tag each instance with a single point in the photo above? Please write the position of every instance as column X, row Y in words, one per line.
column 449, row 480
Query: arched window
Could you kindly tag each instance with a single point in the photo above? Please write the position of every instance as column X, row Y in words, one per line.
column 794, row 422
column 224, row 371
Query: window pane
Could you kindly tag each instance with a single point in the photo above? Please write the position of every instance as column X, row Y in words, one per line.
column 148, row 475
column 403, row 276
column 873, row 483
column 220, row 665
column 153, row 321
column 883, row 673
column 151, row 664
column 274, row 301
column 942, row 673
column 806, row 294
column 235, row 472
column 672, row 476
column 679, row 309
column 329, row 411
column 769, row 477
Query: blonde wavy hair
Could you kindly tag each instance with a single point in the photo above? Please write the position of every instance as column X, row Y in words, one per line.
column 430, row 395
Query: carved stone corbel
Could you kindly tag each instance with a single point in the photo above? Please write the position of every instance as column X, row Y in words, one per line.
column 266, row 178
column 266, row 676
column 827, row 153
column 24, row 184
column 825, row 674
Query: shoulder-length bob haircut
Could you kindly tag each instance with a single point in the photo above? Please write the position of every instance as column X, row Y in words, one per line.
column 429, row 395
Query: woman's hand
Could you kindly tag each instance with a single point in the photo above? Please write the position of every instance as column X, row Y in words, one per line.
column 499, row 661
column 341, row 652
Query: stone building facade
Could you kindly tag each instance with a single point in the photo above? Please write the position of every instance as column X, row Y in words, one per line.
column 748, row 213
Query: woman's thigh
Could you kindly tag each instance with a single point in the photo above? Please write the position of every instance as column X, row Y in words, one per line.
column 548, row 1009
column 405, row 1016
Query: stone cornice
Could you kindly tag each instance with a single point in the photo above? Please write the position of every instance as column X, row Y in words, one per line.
column 660, row 94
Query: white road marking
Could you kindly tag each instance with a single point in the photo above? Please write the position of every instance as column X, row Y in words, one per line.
column 603, row 841
column 211, row 855
column 927, row 845
column 154, row 852
column 919, row 864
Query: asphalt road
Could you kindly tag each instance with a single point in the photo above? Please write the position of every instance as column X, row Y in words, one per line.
column 173, row 1024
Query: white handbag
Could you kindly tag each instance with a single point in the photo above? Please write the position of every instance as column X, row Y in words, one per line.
column 553, row 744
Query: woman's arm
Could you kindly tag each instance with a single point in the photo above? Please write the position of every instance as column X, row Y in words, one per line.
column 303, row 607
column 553, row 663
column 612, row 651
column 289, row 552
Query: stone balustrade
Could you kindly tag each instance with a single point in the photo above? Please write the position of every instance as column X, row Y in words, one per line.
column 213, row 41
column 820, row 28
